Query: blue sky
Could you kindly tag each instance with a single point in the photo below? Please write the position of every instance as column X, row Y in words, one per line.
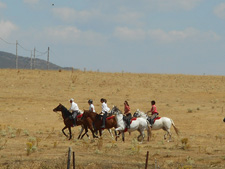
column 138, row 36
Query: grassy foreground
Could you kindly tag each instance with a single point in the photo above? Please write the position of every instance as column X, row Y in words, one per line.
column 30, row 132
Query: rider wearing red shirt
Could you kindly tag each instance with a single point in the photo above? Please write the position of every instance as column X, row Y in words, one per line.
column 127, row 113
column 153, row 111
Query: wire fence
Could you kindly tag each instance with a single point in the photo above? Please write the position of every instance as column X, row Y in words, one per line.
column 34, row 54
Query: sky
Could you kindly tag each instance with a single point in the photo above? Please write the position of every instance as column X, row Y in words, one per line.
column 137, row 36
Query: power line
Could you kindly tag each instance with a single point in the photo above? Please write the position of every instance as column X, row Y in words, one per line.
column 7, row 42
column 24, row 48
column 32, row 59
column 42, row 53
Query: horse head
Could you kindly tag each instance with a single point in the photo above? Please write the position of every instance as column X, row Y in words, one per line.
column 137, row 113
column 58, row 108
column 115, row 111
column 65, row 112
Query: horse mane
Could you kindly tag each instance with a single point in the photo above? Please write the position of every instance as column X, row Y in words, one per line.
column 115, row 108
column 65, row 110
column 141, row 113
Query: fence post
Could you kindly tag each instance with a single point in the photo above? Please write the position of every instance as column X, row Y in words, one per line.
column 69, row 157
column 146, row 162
column 73, row 160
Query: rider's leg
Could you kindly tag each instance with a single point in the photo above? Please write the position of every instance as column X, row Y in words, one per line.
column 74, row 117
column 128, row 120
column 104, row 119
column 152, row 119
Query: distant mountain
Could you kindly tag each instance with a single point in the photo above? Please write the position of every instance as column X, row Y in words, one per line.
column 8, row 61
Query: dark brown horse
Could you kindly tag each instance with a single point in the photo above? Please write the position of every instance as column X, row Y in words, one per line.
column 97, row 121
column 68, row 121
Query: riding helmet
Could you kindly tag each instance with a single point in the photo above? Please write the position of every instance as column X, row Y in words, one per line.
column 90, row 101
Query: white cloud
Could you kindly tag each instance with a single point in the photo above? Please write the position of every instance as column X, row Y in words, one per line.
column 31, row 1
column 2, row 5
column 161, row 36
column 219, row 10
column 178, row 36
column 125, row 16
column 69, row 34
column 125, row 33
column 6, row 28
column 176, row 4
column 69, row 14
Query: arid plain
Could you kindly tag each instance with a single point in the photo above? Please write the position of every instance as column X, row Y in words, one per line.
column 31, row 137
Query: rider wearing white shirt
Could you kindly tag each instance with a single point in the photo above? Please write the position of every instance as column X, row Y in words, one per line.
column 105, row 110
column 91, row 106
column 74, row 109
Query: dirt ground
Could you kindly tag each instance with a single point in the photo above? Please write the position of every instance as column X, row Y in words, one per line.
column 31, row 137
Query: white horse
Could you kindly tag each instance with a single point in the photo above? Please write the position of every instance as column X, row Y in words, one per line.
column 139, row 124
column 164, row 123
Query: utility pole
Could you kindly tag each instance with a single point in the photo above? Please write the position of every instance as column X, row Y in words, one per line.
column 34, row 59
column 16, row 55
column 48, row 60
column 31, row 60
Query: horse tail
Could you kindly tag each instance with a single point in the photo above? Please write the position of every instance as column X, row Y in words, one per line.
column 175, row 128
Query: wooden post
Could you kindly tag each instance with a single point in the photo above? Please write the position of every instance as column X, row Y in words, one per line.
column 146, row 162
column 69, row 158
column 156, row 164
column 73, row 160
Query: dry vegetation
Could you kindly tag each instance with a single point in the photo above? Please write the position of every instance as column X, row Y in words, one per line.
column 30, row 132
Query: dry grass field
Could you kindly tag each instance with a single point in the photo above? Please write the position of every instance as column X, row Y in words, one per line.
column 31, row 137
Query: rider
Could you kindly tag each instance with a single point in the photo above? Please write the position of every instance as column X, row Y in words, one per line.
column 104, row 112
column 127, row 114
column 153, row 111
column 75, row 110
column 91, row 106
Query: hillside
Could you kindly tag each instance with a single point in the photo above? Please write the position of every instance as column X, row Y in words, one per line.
column 8, row 61
column 31, row 136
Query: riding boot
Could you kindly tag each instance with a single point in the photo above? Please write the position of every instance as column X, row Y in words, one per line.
column 128, row 124
column 103, row 120
column 74, row 122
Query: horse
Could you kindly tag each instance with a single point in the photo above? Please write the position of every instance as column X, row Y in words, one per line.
column 138, row 124
column 164, row 123
column 97, row 121
column 68, row 121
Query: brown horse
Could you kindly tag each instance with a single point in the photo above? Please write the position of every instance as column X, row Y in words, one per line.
column 68, row 121
column 97, row 121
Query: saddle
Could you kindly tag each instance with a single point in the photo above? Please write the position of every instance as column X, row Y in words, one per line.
column 79, row 117
column 99, row 116
column 152, row 121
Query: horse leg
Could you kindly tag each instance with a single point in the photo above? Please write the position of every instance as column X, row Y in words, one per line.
column 116, row 135
column 165, row 135
column 143, row 136
column 149, row 132
column 86, row 130
column 70, row 133
column 100, row 132
column 123, row 138
column 81, row 131
column 170, row 135
column 64, row 132
column 110, row 132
